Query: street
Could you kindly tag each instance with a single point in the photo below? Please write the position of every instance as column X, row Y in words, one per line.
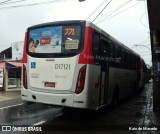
column 131, row 116
column 27, row 114
column 80, row 67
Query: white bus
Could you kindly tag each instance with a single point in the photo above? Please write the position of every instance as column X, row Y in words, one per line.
column 76, row 64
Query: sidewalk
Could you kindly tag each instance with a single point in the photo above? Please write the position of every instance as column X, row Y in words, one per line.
column 156, row 94
column 151, row 117
column 10, row 95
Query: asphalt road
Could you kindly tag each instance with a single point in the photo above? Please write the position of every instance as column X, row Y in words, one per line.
column 131, row 116
column 128, row 117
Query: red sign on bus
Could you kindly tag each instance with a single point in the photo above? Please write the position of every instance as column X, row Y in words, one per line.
column 44, row 41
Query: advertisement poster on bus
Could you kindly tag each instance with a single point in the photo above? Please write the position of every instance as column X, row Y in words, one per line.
column 46, row 40
column 17, row 50
column 1, row 77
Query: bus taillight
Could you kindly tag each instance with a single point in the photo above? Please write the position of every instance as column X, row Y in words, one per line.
column 25, row 77
column 81, row 80
column 24, row 58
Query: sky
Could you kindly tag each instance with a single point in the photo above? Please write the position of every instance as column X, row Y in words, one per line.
column 125, row 20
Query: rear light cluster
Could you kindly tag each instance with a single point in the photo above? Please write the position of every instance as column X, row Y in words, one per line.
column 24, row 58
column 25, row 85
column 81, row 80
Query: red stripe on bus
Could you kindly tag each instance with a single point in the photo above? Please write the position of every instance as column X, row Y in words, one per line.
column 24, row 58
column 86, row 56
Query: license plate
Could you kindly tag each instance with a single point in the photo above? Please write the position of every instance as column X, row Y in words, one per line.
column 49, row 84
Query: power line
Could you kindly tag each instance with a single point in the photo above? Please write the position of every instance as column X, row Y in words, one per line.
column 142, row 42
column 27, row 5
column 115, row 10
column 141, row 19
column 4, row 1
column 7, row 2
column 95, row 10
column 101, row 11
column 117, row 13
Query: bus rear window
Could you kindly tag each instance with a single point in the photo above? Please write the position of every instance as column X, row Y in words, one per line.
column 54, row 40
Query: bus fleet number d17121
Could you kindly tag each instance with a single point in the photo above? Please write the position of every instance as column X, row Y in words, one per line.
column 63, row 66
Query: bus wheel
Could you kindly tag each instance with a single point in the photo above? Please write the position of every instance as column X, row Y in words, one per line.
column 115, row 98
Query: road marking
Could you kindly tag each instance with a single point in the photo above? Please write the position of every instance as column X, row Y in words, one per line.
column 11, row 106
column 39, row 123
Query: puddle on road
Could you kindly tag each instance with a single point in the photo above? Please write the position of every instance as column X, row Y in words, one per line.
column 29, row 114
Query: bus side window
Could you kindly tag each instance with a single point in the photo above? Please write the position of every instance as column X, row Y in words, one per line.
column 103, row 48
column 112, row 54
column 125, row 58
column 113, row 50
column 107, row 49
column 133, row 61
column 116, row 51
column 116, row 55
column 130, row 59
column 96, row 44
column 122, row 57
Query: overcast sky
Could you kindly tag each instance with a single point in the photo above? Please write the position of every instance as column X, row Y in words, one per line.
column 126, row 20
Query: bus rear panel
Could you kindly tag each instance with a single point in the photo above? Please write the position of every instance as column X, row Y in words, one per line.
column 53, row 72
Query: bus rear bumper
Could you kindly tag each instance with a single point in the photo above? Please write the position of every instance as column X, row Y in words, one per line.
column 67, row 100
column 47, row 98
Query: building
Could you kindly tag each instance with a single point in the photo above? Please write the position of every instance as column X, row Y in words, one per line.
column 10, row 75
column 154, row 24
column 11, row 67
